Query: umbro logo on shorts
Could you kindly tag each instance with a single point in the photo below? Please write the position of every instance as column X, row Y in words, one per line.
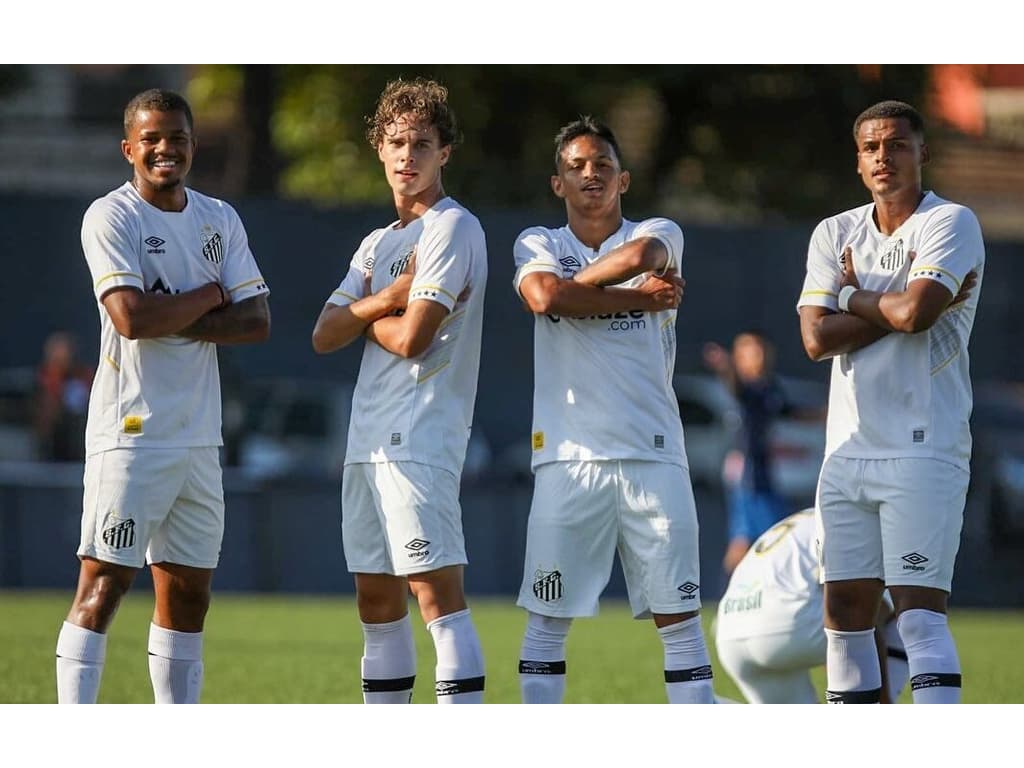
column 418, row 548
column 914, row 562
column 121, row 535
column 688, row 589
column 547, row 585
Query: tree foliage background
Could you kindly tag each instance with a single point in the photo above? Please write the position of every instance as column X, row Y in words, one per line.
column 704, row 142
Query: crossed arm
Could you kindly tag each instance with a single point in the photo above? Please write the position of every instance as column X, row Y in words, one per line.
column 204, row 313
column 547, row 293
column 406, row 335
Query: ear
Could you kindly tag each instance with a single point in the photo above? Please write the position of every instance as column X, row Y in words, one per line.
column 380, row 151
column 925, row 156
column 126, row 149
column 556, row 186
column 446, row 152
column 624, row 180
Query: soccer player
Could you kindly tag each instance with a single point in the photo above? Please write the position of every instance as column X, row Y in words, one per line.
column 769, row 633
column 754, row 505
column 415, row 291
column 888, row 295
column 608, row 456
column 173, row 277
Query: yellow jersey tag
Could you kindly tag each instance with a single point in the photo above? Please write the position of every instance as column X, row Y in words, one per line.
column 538, row 441
column 133, row 425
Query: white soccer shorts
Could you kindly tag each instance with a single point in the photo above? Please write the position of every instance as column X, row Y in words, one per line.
column 898, row 520
column 154, row 505
column 583, row 511
column 400, row 517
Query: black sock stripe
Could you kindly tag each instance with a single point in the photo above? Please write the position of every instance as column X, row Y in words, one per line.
column 527, row 667
column 935, row 680
column 854, row 697
column 688, row 675
column 896, row 653
column 465, row 685
column 388, row 685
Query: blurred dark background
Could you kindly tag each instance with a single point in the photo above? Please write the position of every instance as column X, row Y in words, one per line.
column 746, row 158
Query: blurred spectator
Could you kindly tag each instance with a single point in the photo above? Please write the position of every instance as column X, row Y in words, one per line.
column 61, row 400
column 753, row 503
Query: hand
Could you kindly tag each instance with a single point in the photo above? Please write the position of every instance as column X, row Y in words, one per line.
column 970, row 280
column 664, row 292
column 715, row 357
column 849, row 276
column 397, row 294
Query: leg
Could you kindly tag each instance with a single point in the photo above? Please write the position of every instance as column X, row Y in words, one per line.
column 688, row 678
column 658, row 548
column 570, row 549
column 389, row 652
column 934, row 665
column 82, row 642
column 921, row 524
column 850, row 557
column 176, row 633
column 459, row 673
column 542, row 659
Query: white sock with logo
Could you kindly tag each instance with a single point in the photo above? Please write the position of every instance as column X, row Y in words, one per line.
column 389, row 662
column 459, row 673
column 851, row 664
column 931, row 654
column 688, row 677
column 80, row 656
column 175, row 665
column 542, row 659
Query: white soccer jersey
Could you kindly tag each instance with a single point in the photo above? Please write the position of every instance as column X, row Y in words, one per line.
column 603, row 383
column 162, row 392
column 775, row 587
column 420, row 409
column 905, row 395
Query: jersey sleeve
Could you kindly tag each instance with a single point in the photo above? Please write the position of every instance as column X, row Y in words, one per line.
column 239, row 273
column 951, row 247
column 353, row 285
column 823, row 270
column 444, row 256
column 534, row 251
column 670, row 235
column 110, row 241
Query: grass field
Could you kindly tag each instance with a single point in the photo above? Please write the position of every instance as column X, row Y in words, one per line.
column 285, row 649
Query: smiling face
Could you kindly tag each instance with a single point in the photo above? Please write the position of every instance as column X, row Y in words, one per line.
column 160, row 146
column 413, row 157
column 889, row 158
column 590, row 179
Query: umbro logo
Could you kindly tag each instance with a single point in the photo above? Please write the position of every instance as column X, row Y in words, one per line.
column 914, row 562
column 688, row 589
column 417, row 544
column 154, row 244
column 445, row 688
column 570, row 265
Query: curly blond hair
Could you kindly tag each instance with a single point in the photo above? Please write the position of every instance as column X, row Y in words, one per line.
column 426, row 100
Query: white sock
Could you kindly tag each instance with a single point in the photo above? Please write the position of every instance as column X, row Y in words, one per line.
column 688, row 678
column 542, row 659
column 80, row 656
column 931, row 653
column 389, row 662
column 851, row 664
column 459, row 673
column 898, row 669
column 175, row 665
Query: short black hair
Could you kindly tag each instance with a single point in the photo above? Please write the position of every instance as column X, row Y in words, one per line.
column 585, row 126
column 889, row 110
column 158, row 99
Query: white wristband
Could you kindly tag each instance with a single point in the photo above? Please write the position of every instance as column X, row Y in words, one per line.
column 844, row 297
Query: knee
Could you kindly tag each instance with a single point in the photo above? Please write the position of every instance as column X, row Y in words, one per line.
column 97, row 600
column 849, row 609
column 920, row 626
column 380, row 606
